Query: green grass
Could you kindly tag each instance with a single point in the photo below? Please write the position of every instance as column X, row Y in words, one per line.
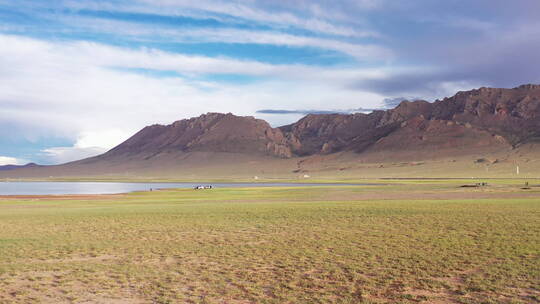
column 274, row 245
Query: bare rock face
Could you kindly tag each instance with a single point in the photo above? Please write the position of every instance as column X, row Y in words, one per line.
column 477, row 118
column 328, row 133
column 481, row 118
column 407, row 110
column 436, row 137
column 324, row 134
column 511, row 113
column 212, row 132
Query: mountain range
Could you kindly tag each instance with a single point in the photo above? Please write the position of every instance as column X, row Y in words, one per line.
column 483, row 127
column 13, row 167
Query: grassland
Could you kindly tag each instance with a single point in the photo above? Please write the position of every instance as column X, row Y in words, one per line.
column 347, row 166
column 428, row 242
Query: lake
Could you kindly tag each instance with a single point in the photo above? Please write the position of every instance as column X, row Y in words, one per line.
column 60, row 188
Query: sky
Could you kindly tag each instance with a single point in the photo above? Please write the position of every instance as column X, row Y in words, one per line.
column 79, row 77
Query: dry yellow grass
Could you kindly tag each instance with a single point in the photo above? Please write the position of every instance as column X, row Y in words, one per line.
column 412, row 243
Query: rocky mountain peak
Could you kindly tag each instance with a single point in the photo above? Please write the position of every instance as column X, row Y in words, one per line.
column 211, row 132
column 511, row 114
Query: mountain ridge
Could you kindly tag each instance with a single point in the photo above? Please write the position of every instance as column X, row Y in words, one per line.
column 13, row 167
column 480, row 123
column 510, row 115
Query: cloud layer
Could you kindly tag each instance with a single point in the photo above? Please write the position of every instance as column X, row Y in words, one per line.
column 80, row 90
column 6, row 160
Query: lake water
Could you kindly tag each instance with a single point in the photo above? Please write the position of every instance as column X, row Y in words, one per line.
column 59, row 188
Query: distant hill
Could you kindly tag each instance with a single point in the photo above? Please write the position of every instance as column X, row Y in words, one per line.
column 12, row 167
column 212, row 132
column 486, row 123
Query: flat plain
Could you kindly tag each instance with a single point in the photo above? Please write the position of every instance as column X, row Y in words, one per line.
column 405, row 242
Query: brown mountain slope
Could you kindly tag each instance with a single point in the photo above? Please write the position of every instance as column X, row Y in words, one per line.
column 492, row 116
column 490, row 123
column 511, row 113
column 329, row 133
column 482, row 118
column 212, row 132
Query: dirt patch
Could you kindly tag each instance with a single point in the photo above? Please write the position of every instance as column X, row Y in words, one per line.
column 100, row 258
column 107, row 300
column 52, row 287
column 432, row 297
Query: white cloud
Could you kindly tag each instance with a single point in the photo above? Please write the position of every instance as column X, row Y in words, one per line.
column 283, row 15
column 60, row 155
column 356, row 50
column 141, row 32
column 105, row 139
column 71, row 57
column 83, row 91
column 88, row 144
column 6, row 160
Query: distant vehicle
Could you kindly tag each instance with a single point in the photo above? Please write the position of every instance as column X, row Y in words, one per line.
column 203, row 187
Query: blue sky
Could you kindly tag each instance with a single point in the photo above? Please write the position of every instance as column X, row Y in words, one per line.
column 79, row 77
